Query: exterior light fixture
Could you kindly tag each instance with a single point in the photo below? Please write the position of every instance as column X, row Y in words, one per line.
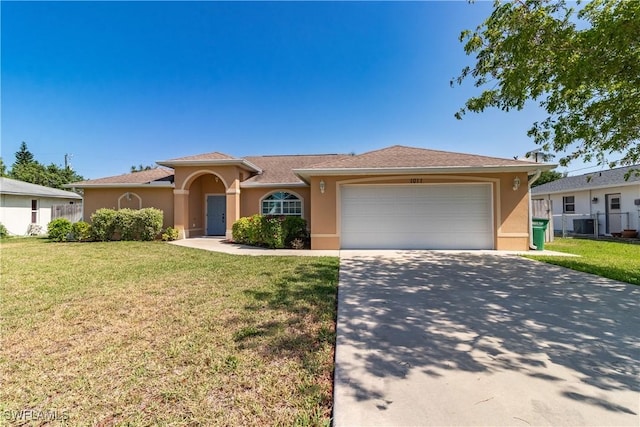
column 322, row 186
column 516, row 183
column 594, row 200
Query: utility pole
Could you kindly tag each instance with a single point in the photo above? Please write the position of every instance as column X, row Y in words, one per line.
column 67, row 160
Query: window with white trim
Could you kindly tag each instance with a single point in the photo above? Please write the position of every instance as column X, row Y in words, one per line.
column 568, row 204
column 34, row 211
column 282, row 203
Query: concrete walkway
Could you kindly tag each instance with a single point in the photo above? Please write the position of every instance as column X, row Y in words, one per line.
column 444, row 339
column 219, row 244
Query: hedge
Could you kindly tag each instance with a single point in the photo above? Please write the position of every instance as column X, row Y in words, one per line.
column 271, row 231
column 128, row 224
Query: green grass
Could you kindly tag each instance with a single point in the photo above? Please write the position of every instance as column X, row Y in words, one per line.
column 131, row 333
column 615, row 260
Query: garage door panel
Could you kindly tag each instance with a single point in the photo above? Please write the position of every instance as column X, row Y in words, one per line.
column 417, row 216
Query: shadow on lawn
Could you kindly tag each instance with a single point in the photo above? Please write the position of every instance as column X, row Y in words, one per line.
column 308, row 298
column 437, row 312
column 606, row 271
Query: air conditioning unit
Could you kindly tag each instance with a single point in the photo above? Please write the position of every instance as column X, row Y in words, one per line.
column 636, row 202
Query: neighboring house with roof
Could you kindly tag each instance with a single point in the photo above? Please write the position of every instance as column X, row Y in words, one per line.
column 396, row 197
column 23, row 204
column 605, row 195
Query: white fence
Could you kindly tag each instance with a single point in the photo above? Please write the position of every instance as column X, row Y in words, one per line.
column 592, row 224
column 71, row 212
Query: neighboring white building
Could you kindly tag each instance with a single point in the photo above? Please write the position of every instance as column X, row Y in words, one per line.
column 606, row 195
column 23, row 204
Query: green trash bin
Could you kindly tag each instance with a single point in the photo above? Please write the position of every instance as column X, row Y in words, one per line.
column 539, row 228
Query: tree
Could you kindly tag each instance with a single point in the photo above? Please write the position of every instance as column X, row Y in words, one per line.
column 23, row 155
column 582, row 68
column 548, row 176
column 3, row 168
column 140, row 168
column 27, row 169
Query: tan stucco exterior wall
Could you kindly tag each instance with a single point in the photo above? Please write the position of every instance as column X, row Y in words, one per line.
column 200, row 188
column 116, row 198
column 510, row 207
column 187, row 208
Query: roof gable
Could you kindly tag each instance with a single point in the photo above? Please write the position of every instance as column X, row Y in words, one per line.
column 399, row 156
column 279, row 169
column 21, row 188
column 216, row 155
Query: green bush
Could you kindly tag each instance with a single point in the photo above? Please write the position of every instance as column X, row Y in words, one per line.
column 3, row 231
column 125, row 224
column 294, row 228
column 271, row 231
column 170, row 234
column 81, row 231
column 103, row 224
column 130, row 224
column 59, row 229
column 240, row 230
column 148, row 223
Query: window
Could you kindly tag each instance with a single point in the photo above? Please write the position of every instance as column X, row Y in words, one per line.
column 34, row 212
column 569, row 204
column 615, row 203
column 282, row 203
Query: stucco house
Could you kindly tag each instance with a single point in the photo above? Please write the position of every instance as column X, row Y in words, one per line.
column 23, row 204
column 395, row 197
column 605, row 195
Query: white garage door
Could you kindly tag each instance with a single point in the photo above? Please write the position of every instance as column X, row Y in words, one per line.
column 438, row 216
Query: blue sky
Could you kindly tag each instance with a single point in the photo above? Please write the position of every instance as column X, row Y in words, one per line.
column 117, row 84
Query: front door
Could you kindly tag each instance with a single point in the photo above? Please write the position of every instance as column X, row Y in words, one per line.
column 216, row 213
column 613, row 213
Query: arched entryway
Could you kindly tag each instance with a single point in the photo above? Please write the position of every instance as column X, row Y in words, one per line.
column 207, row 205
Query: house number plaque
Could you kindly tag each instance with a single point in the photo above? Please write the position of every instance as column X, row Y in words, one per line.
column 415, row 180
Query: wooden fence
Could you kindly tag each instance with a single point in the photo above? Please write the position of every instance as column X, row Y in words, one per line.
column 71, row 212
column 544, row 209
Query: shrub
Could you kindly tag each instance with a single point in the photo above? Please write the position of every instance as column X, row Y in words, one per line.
column 148, row 223
column 240, row 230
column 125, row 224
column 81, row 231
column 103, row 224
column 294, row 228
column 170, row 234
column 3, row 231
column 130, row 224
column 59, row 229
column 271, row 231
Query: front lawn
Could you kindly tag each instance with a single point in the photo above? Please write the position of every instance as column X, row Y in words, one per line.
column 615, row 260
column 154, row 334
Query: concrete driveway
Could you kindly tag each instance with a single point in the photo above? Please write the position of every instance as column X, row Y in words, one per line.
column 438, row 338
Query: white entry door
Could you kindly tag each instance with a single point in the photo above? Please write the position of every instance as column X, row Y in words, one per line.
column 614, row 213
column 433, row 216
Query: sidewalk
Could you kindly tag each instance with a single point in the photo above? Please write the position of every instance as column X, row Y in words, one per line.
column 218, row 244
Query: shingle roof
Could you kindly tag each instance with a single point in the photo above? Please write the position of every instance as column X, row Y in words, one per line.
column 142, row 177
column 399, row 156
column 608, row 178
column 206, row 156
column 15, row 187
column 279, row 169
